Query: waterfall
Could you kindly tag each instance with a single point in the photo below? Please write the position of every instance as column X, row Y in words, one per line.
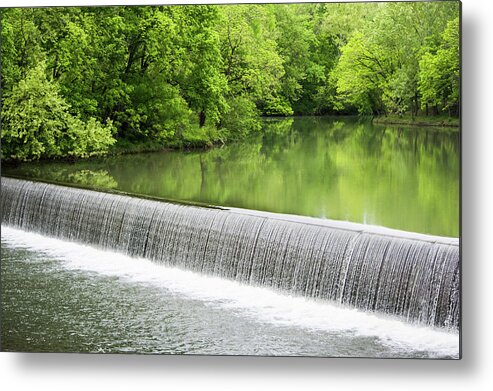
column 413, row 276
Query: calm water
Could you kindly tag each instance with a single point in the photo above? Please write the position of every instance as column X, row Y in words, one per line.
column 64, row 297
column 343, row 169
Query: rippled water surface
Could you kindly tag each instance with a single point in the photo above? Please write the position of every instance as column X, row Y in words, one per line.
column 64, row 297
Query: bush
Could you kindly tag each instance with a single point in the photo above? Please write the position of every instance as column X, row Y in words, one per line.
column 201, row 137
column 241, row 118
column 36, row 123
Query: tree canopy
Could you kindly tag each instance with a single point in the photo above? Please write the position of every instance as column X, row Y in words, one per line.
column 76, row 79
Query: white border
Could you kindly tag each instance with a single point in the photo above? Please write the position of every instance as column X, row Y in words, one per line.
column 474, row 372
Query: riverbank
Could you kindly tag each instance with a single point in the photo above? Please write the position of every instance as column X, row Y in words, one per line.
column 439, row 121
column 193, row 138
column 126, row 147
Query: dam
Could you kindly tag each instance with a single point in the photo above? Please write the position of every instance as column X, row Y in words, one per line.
column 411, row 276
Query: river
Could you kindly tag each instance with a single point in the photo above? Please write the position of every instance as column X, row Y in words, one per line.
column 61, row 296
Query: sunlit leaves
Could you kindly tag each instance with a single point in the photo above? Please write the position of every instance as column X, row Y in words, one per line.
column 191, row 75
column 36, row 123
column 386, row 57
column 439, row 72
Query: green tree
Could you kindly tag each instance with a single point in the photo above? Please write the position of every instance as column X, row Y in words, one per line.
column 378, row 70
column 200, row 78
column 20, row 45
column 361, row 74
column 440, row 72
column 36, row 123
column 195, row 75
column 252, row 63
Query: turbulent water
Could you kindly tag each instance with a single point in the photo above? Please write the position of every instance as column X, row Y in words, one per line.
column 62, row 296
column 411, row 276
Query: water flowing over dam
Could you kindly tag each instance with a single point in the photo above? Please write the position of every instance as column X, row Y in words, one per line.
column 413, row 276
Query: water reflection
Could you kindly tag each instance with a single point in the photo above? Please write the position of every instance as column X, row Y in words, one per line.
column 345, row 169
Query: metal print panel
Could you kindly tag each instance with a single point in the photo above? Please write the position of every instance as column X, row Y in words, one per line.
column 255, row 179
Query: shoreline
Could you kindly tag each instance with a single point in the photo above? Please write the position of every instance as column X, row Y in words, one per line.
column 127, row 147
column 432, row 121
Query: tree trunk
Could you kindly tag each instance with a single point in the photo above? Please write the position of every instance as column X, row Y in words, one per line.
column 202, row 118
column 416, row 104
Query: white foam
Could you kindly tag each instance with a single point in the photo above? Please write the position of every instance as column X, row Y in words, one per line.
column 261, row 304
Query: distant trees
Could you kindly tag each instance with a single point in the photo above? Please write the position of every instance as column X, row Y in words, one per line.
column 76, row 79
column 387, row 64
column 440, row 70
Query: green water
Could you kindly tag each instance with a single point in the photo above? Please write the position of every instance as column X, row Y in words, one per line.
column 343, row 169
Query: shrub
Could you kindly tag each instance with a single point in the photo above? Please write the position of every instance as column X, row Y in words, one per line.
column 37, row 123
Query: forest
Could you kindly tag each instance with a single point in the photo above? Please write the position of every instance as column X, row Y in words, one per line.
column 78, row 82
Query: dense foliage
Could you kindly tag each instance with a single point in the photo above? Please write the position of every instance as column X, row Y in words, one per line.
column 74, row 80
